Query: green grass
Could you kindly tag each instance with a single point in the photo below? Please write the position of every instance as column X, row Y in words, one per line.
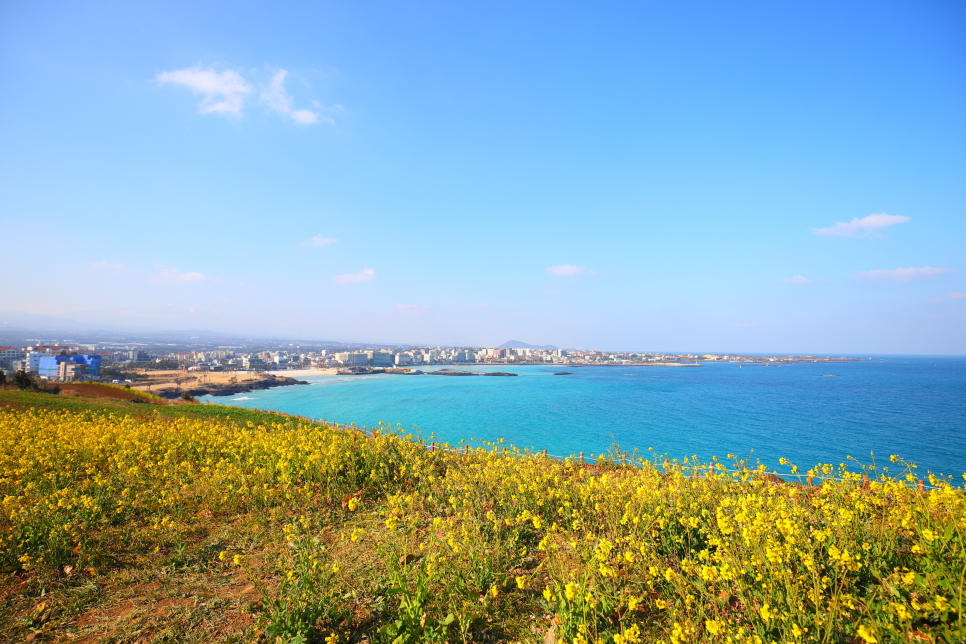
column 34, row 400
column 126, row 522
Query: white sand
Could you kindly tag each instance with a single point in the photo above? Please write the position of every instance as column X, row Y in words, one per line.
column 294, row 373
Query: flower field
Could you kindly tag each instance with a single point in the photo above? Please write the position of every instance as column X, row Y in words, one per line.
column 274, row 528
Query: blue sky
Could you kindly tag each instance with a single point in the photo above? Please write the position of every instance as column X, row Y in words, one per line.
column 740, row 176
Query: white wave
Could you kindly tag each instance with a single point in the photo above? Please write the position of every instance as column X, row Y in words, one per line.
column 243, row 398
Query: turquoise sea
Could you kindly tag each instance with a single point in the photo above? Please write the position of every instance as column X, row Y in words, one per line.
column 911, row 406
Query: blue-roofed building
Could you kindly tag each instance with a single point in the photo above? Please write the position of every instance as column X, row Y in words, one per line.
column 79, row 367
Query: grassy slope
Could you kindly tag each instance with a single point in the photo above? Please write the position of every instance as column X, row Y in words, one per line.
column 165, row 596
column 475, row 528
column 30, row 400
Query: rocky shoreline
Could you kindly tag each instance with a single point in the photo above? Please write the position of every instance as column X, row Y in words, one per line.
column 230, row 389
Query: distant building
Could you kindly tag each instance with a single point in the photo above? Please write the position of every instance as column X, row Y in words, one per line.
column 9, row 355
column 380, row 358
column 68, row 368
column 33, row 361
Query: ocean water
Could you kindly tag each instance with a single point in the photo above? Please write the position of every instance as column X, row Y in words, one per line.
column 911, row 406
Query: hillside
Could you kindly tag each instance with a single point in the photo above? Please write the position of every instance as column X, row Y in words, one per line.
column 126, row 522
column 516, row 344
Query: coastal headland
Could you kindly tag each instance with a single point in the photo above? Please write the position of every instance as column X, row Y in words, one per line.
column 174, row 383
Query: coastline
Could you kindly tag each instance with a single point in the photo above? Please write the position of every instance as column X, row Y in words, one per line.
column 293, row 373
column 220, row 387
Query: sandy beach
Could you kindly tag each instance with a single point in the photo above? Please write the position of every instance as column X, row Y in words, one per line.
column 296, row 373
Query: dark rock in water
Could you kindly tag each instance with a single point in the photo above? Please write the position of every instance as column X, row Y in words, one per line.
column 500, row 373
column 564, row 373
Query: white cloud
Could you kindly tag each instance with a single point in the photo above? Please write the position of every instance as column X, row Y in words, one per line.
column 364, row 275
column 107, row 266
column 566, row 270
column 275, row 95
column 957, row 296
column 410, row 308
column 867, row 226
column 224, row 92
column 905, row 274
column 319, row 240
column 308, row 117
column 798, row 279
column 171, row 274
column 278, row 99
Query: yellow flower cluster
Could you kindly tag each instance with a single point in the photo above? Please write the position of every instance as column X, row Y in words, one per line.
column 657, row 551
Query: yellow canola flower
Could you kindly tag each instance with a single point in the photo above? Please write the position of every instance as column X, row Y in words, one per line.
column 66, row 476
column 766, row 612
column 866, row 634
column 570, row 591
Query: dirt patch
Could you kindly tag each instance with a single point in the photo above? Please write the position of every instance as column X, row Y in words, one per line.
column 104, row 392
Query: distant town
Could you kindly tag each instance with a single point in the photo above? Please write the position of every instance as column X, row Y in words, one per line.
column 65, row 361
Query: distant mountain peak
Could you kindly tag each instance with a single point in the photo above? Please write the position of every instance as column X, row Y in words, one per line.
column 516, row 344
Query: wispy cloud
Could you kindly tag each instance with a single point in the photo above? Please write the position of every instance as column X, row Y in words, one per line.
column 319, row 240
column 410, row 308
column 223, row 92
column 106, row 266
column 905, row 274
column 364, row 275
column 278, row 99
column 797, row 279
column 308, row 117
column 566, row 270
column 275, row 95
column 957, row 296
column 226, row 92
column 868, row 226
column 172, row 274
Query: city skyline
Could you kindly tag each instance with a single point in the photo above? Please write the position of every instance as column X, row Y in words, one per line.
column 741, row 179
